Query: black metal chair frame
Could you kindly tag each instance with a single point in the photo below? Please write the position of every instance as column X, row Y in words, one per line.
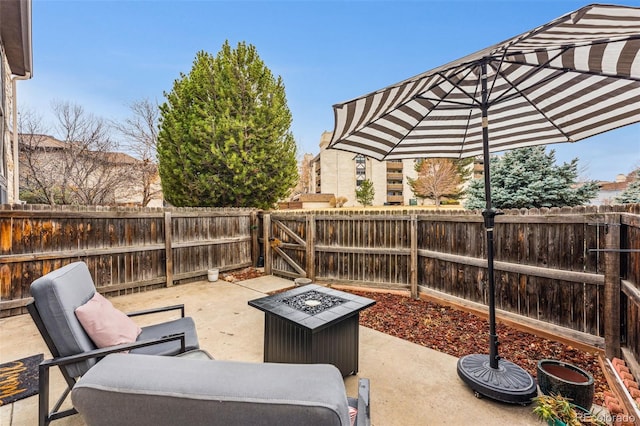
column 44, row 415
column 364, row 407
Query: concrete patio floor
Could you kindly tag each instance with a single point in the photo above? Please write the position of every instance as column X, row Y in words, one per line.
column 410, row 384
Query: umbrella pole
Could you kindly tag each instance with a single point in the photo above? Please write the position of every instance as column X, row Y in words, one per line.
column 489, row 375
column 489, row 215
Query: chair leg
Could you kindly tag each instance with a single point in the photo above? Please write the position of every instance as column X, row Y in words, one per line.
column 364, row 407
column 44, row 416
column 43, row 395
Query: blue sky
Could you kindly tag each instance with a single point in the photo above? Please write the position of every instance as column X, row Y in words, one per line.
column 103, row 55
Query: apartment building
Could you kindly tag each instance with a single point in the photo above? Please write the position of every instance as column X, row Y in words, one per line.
column 340, row 173
column 15, row 64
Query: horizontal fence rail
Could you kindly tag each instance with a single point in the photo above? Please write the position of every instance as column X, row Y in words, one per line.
column 126, row 249
column 549, row 263
column 574, row 268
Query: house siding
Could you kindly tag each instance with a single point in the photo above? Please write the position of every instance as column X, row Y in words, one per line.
column 7, row 192
column 15, row 64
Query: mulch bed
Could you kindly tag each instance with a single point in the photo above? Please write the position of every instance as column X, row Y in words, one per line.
column 460, row 333
column 241, row 274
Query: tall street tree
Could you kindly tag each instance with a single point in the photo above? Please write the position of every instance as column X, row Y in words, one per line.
column 437, row 177
column 225, row 137
column 529, row 178
column 365, row 193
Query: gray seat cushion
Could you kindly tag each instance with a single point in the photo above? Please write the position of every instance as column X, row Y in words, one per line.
column 168, row 328
column 155, row 391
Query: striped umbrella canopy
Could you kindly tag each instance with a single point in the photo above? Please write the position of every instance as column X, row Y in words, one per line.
column 564, row 81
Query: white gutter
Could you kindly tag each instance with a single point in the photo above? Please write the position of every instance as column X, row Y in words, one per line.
column 16, row 146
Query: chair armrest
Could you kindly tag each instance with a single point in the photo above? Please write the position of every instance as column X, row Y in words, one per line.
column 102, row 352
column 156, row 310
column 43, row 373
column 364, row 410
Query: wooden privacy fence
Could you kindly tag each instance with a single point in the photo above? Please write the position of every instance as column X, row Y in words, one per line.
column 126, row 249
column 561, row 267
column 578, row 268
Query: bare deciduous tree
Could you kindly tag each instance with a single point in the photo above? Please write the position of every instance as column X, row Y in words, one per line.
column 80, row 168
column 304, row 178
column 141, row 133
column 92, row 170
column 436, row 177
column 40, row 182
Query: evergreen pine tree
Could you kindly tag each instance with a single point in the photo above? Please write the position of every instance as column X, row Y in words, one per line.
column 225, row 136
column 529, row 178
column 630, row 195
column 365, row 193
column 465, row 171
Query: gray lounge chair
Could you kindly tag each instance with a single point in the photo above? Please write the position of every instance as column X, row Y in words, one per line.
column 56, row 296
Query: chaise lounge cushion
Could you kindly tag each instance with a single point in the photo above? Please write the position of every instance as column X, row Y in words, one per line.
column 125, row 389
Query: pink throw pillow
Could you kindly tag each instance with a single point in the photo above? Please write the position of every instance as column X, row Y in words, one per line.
column 106, row 325
column 353, row 413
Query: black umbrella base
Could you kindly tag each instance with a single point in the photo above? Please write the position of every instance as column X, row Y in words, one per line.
column 507, row 383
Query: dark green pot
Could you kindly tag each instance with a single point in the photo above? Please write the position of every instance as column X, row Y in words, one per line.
column 559, row 378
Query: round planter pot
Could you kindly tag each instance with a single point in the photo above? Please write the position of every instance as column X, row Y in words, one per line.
column 301, row 281
column 574, row 383
column 212, row 274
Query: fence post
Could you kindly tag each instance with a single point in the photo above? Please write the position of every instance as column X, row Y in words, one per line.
column 266, row 233
column 311, row 247
column 612, row 286
column 255, row 246
column 167, row 248
column 413, row 273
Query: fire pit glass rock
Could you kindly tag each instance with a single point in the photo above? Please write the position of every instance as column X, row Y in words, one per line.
column 312, row 302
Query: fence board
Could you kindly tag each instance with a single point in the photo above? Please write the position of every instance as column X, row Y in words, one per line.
column 126, row 250
column 547, row 261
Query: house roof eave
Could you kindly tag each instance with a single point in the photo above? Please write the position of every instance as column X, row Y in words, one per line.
column 15, row 31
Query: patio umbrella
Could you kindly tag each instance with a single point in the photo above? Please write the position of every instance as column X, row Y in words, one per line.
column 564, row 81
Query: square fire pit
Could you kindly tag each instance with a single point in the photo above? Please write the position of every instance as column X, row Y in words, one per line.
column 312, row 324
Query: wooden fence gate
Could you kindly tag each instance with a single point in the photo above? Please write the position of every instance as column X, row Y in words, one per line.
column 287, row 248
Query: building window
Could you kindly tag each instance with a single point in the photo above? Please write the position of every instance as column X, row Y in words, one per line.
column 361, row 169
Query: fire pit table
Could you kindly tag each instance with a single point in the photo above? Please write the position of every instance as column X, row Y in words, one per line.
column 312, row 324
